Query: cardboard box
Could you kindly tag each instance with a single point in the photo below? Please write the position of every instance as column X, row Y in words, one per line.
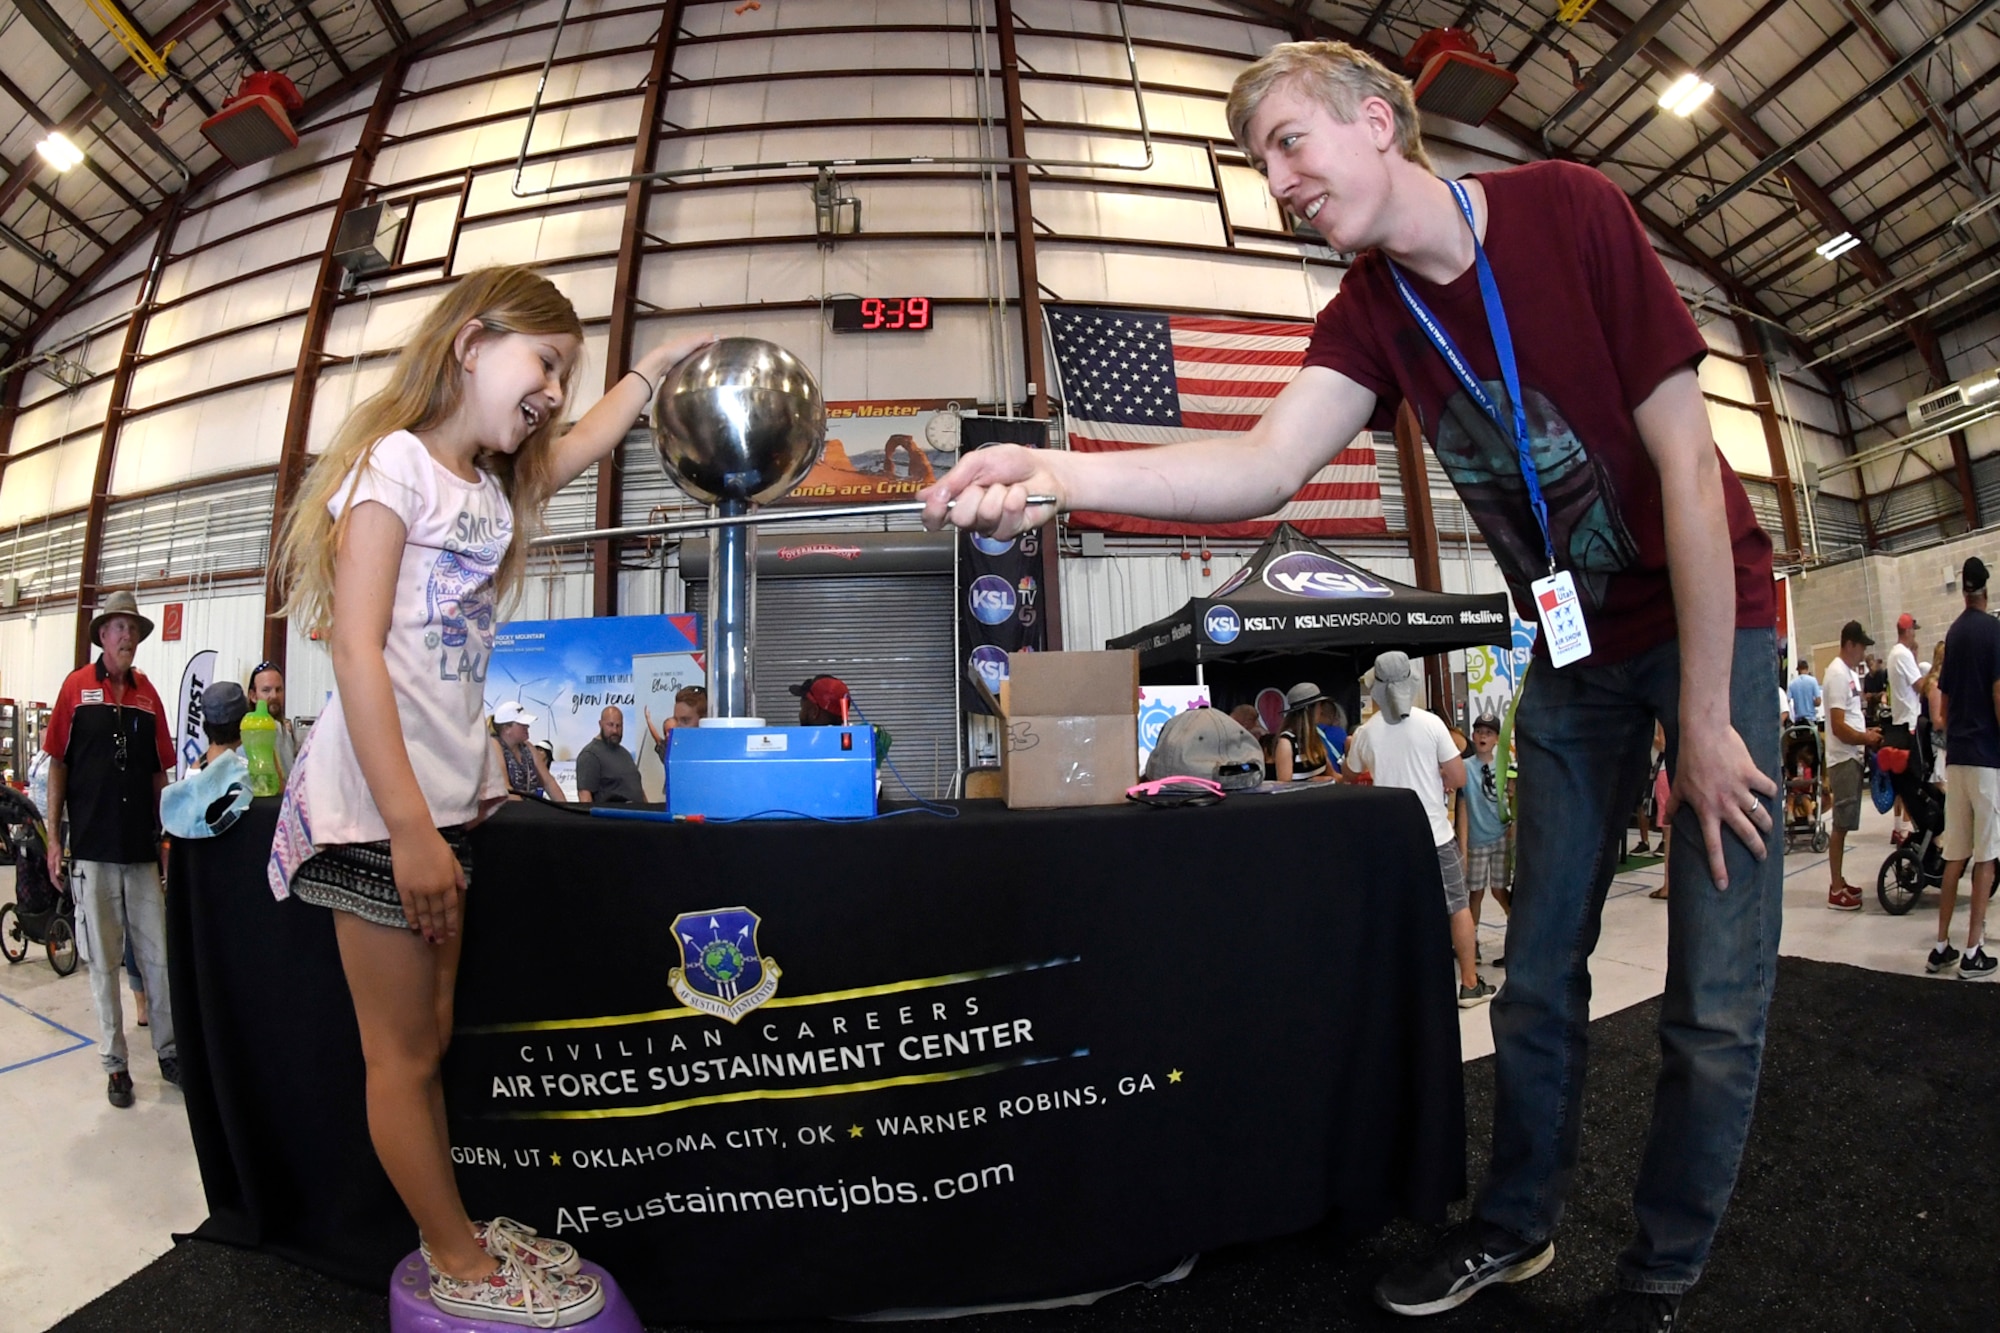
column 1072, row 728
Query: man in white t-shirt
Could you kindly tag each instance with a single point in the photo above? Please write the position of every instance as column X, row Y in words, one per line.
column 1904, row 674
column 1408, row 747
column 1848, row 738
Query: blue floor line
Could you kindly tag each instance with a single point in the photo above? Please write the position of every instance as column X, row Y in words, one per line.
column 81, row 1041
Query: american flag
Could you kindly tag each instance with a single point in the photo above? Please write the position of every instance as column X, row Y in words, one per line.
column 1132, row 379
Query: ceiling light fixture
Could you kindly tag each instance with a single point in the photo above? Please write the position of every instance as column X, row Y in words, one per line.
column 1838, row 246
column 1689, row 91
column 59, row 152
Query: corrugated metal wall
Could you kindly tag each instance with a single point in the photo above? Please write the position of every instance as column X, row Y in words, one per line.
column 891, row 637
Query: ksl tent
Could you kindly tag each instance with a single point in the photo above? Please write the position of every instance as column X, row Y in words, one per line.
column 1295, row 596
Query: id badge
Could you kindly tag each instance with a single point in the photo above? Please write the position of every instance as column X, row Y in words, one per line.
column 1562, row 618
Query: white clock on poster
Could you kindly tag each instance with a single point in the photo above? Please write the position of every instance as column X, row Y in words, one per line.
column 941, row 431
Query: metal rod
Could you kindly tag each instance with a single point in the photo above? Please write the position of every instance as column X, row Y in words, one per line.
column 732, row 616
column 1936, row 430
column 1856, row 344
column 747, row 520
column 676, row 173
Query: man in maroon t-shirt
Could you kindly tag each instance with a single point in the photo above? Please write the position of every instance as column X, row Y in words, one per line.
column 1670, row 571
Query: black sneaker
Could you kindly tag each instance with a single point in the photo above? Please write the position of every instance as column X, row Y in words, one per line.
column 1976, row 966
column 170, row 1070
column 1638, row 1312
column 119, row 1091
column 1469, row 1256
column 1943, row 959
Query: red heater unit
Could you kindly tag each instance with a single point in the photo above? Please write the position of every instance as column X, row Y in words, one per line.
column 256, row 123
column 1454, row 79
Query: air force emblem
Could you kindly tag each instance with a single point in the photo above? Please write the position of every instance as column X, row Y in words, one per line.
column 721, row 972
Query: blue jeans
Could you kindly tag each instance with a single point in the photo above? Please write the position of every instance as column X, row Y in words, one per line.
column 1583, row 735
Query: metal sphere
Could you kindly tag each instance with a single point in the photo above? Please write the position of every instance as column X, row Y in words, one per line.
column 741, row 420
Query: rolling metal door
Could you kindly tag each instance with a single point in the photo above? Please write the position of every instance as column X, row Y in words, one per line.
column 889, row 636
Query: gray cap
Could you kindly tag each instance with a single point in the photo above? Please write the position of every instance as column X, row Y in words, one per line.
column 1395, row 687
column 1302, row 694
column 1204, row 743
column 224, row 702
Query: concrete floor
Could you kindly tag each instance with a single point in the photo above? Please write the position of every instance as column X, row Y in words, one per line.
column 94, row 1194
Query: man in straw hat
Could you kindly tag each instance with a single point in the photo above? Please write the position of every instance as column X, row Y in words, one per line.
column 110, row 752
column 1524, row 318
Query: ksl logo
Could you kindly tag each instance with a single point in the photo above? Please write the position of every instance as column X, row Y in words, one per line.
column 1307, row 574
column 991, row 599
column 1222, row 624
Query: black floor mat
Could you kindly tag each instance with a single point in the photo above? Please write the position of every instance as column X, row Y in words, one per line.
column 1869, row 1201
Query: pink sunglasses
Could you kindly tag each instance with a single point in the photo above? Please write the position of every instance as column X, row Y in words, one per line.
column 1180, row 789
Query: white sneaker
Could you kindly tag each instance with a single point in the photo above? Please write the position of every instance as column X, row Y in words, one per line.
column 504, row 1236
column 518, row 1294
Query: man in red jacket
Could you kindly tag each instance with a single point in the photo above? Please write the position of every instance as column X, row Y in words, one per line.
column 110, row 751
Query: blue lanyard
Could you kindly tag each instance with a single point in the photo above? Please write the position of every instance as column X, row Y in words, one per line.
column 1503, row 347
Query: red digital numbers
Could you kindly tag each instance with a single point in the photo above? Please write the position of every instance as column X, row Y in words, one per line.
column 879, row 314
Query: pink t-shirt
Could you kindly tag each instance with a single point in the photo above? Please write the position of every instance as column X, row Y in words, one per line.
column 440, row 639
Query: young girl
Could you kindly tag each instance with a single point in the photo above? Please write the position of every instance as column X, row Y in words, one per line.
column 399, row 551
column 1299, row 752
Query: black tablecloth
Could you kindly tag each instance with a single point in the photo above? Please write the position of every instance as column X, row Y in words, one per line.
column 1010, row 1055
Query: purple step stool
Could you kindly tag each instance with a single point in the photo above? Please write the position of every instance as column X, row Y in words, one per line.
column 411, row 1311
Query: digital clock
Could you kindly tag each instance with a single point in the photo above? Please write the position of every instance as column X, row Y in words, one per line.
column 881, row 314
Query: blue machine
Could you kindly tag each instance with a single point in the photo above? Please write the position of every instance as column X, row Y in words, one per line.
column 771, row 772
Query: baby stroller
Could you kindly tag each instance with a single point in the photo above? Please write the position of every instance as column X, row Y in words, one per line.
column 1803, row 755
column 1918, row 862
column 41, row 913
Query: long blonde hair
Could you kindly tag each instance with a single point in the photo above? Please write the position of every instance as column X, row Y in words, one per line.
column 425, row 388
column 1308, row 745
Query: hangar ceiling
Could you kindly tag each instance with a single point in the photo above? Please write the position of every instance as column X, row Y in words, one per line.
column 1873, row 119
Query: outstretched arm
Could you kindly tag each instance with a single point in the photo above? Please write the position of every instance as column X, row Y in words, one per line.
column 605, row 424
column 1201, row 481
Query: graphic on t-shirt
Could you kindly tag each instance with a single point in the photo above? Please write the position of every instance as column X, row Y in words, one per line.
column 458, row 599
column 1589, row 533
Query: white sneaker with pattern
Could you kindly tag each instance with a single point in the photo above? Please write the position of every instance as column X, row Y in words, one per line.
column 518, row 1294
column 504, row 1236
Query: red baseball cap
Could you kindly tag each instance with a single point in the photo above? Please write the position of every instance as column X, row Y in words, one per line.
column 1907, row 621
column 828, row 693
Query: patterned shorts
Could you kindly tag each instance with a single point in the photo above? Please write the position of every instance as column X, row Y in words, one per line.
column 1486, row 867
column 359, row 877
column 1455, row 897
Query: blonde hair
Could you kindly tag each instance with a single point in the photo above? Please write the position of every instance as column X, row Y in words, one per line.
column 1338, row 77
column 425, row 388
column 1308, row 746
